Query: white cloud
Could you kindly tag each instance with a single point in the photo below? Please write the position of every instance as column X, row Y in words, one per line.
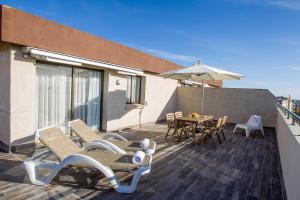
column 287, row 4
column 295, row 68
column 170, row 55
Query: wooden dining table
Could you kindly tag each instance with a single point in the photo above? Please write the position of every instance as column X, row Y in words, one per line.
column 194, row 122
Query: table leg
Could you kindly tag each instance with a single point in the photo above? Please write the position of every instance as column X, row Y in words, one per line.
column 194, row 131
column 179, row 136
column 175, row 128
column 169, row 128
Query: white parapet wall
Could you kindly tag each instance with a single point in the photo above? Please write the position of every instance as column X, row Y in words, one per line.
column 289, row 148
column 237, row 103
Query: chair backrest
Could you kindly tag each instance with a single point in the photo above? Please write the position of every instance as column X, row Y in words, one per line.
column 170, row 117
column 85, row 133
column 219, row 123
column 178, row 114
column 58, row 142
column 253, row 120
column 224, row 120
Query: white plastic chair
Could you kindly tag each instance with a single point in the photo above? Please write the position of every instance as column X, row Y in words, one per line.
column 254, row 123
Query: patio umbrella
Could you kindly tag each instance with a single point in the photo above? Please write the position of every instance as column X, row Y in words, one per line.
column 200, row 73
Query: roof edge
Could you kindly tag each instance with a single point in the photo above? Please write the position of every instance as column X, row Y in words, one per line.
column 42, row 33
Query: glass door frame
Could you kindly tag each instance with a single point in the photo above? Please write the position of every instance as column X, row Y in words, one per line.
column 100, row 92
column 73, row 86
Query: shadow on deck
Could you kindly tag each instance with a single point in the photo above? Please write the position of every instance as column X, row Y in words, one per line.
column 239, row 168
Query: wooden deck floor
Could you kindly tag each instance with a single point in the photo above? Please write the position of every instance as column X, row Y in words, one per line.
column 239, row 168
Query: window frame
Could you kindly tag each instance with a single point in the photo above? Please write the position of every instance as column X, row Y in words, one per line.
column 132, row 89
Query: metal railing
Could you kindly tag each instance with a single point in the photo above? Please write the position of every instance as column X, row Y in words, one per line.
column 295, row 118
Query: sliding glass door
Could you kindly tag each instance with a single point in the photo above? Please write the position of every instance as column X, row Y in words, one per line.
column 66, row 93
column 87, row 97
column 53, row 95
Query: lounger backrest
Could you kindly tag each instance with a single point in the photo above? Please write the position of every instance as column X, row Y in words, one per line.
column 178, row 114
column 170, row 116
column 252, row 120
column 83, row 131
column 58, row 142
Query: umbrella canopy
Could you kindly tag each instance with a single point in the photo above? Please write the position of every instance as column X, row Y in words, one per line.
column 200, row 73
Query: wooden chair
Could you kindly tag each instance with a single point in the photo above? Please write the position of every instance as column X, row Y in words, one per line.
column 183, row 129
column 178, row 114
column 224, row 120
column 214, row 131
column 170, row 117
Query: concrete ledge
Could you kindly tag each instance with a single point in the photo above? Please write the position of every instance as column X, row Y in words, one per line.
column 288, row 137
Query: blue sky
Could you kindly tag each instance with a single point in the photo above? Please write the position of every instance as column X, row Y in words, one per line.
column 258, row 38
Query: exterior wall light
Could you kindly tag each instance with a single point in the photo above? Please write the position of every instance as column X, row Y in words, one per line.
column 118, row 82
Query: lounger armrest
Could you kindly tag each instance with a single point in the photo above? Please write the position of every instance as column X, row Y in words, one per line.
column 150, row 160
column 97, row 145
column 114, row 136
column 109, row 145
column 151, row 150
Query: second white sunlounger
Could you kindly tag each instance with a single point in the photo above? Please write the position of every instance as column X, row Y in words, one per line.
column 112, row 140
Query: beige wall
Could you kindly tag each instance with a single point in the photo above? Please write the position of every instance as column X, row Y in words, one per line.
column 238, row 104
column 289, row 148
column 23, row 88
column 17, row 91
column 160, row 98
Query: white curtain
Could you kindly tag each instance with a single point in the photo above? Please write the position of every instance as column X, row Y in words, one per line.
column 93, row 113
column 87, row 97
column 81, row 92
column 133, row 89
column 53, row 96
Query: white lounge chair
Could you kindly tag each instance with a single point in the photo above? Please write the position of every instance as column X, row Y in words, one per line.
column 69, row 154
column 254, row 123
column 112, row 140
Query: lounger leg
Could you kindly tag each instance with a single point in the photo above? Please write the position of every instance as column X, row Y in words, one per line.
column 234, row 129
column 262, row 131
column 247, row 132
column 132, row 187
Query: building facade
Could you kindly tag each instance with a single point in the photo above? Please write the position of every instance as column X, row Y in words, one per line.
column 51, row 74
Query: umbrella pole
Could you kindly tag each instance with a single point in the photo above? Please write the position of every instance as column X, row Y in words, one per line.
column 202, row 97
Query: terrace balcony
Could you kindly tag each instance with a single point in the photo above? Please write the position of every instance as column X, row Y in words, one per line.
column 239, row 168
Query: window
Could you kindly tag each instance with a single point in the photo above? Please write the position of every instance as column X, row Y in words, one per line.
column 133, row 92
